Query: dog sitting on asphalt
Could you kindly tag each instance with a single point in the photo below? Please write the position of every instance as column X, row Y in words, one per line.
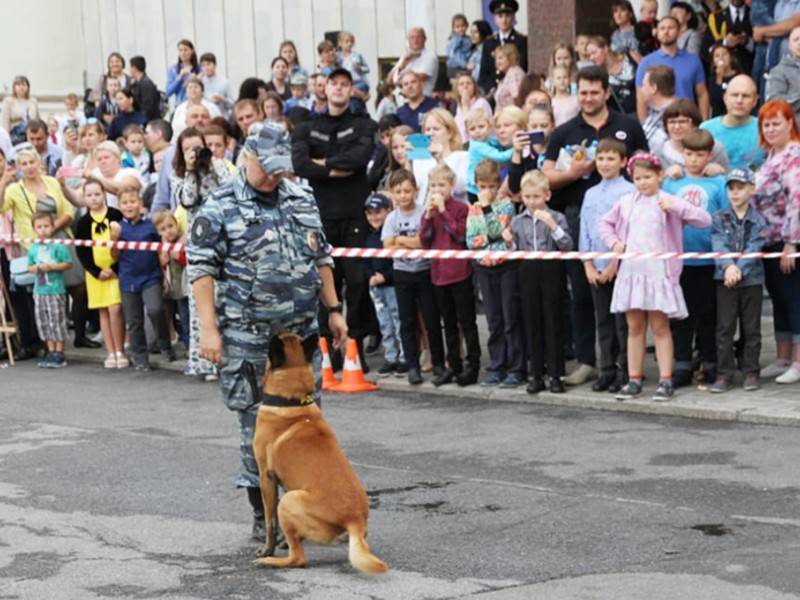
column 295, row 447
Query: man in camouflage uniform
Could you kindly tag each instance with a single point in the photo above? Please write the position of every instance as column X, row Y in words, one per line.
column 259, row 239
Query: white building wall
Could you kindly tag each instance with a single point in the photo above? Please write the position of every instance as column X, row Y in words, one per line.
column 245, row 35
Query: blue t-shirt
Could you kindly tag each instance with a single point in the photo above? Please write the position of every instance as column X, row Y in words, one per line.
column 413, row 116
column 708, row 193
column 688, row 71
column 741, row 143
column 50, row 283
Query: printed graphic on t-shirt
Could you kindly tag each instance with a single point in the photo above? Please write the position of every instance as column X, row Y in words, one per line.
column 695, row 195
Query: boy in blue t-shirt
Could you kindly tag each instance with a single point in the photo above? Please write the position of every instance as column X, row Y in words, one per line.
column 48, row 262
column 697, row 278
column 140, row 281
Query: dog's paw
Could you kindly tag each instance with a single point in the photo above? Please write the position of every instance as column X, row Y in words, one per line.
column 279, row 563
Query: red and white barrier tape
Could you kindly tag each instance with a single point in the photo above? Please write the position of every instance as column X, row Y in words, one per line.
column 440, row 254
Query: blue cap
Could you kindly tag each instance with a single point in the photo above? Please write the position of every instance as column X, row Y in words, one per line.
column 741, row 175
column 269, row 143
column 378, row 200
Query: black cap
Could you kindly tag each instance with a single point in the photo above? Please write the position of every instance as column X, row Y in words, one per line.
column 496, row 6
column 341, row 71
column 378, row 200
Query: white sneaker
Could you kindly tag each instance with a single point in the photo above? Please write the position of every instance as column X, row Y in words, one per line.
column 581, row 375
column 212, row 377
column 110, row 361
column 122, row 361
column 774, row 370
column 792, row 375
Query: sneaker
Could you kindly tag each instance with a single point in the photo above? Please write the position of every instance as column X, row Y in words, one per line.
column 387, row 369
column 46, row 362
column 170, row 355
column 664, row 391
column 414, row 376
column 581, row 375
column 512, row 380
column 444, row 377
column 142, row 367
column 750, row 382
column 493, row 378
column 774, row 370
column 189, row 371
column 110, row 361
column 792, row 375
column 720, row 386
column 211, row 377
column 401, row 369
column 632, row 389
column 59, row 361
column 122, row 361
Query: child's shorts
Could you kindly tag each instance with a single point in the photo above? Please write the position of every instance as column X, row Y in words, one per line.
column 51, row 316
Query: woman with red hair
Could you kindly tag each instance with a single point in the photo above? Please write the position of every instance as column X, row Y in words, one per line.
column 777, row 198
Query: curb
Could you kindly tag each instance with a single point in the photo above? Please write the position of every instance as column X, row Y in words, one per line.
column 772, row 405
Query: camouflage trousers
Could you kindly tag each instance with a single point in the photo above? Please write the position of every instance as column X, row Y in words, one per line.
column 240, row 345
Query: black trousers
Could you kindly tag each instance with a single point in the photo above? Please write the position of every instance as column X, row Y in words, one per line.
column 541, row 285
column 612, row 330
column 350, row 276
column 581, row 305
column 697, row 283
column 501, row 303
column 456, row 303
column 415, row 293
column 738, row 306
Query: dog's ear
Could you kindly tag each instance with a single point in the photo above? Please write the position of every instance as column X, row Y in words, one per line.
column 277, row 354
column 310, row 345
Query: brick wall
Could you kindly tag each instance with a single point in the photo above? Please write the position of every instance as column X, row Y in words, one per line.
column 554, row 21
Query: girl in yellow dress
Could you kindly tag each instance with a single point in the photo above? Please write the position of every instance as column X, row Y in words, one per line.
column 101, row 277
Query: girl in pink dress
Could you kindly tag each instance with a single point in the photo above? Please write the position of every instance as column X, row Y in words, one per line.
column 649, row 291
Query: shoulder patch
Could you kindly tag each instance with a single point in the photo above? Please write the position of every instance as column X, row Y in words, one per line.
column 200, row 230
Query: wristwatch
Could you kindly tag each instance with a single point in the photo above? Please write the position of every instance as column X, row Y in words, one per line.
column 339, row 308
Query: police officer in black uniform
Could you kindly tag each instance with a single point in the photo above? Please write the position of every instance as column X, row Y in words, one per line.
column 504, row 12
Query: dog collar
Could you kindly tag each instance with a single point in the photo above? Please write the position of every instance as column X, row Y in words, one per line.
column 281, row 402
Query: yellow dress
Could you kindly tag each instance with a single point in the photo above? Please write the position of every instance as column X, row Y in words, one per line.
column 102, row 293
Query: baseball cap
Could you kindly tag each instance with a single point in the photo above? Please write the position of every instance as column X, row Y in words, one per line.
column 378, row 200
column 341, row 71
column 298, row 79
column 269, row 143
column 741, row 175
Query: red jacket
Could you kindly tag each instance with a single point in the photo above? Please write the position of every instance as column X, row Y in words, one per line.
column 447, row 231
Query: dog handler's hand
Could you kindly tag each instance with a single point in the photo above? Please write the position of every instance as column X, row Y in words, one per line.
column 338, row 327
column 211, row 345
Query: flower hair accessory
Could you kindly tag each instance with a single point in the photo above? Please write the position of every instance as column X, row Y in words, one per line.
column 643, row 157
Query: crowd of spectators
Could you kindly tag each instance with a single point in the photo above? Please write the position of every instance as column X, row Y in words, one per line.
column 676, row 132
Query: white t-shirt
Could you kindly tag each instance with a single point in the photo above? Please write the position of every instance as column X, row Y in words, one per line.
column 399, row 223
column 427, row 63
column 458, row 161
column 111, row 199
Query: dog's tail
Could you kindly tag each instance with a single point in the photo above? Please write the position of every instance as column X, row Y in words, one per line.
column 359, row 553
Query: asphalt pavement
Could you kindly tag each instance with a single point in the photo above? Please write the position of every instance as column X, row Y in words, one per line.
column 120, row 485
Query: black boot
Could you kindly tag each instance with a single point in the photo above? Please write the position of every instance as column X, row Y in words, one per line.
column 254, row 496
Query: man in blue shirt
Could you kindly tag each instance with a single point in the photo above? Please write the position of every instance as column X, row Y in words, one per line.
column 690, row 79
column 413, row 111
column 737, row 129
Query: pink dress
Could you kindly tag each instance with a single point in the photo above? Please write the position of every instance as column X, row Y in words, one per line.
column 645, row 284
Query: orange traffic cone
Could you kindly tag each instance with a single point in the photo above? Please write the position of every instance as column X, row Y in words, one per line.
column 329, row 380
column 352, row 375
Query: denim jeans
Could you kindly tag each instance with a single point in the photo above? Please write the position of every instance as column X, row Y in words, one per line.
column 385, row 301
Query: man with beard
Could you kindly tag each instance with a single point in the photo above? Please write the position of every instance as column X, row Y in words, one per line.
column 332, row 150
column 594, row 122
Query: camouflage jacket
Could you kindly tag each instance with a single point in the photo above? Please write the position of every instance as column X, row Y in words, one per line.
column 264, row 252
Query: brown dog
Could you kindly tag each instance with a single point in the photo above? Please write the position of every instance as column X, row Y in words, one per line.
column 295, row 446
